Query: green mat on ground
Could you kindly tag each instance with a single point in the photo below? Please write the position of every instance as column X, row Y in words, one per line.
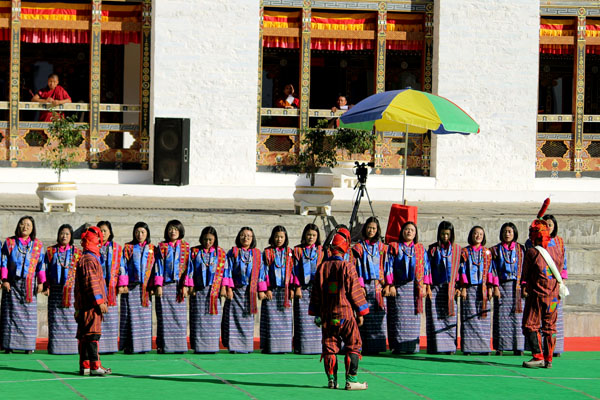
column 575, row 375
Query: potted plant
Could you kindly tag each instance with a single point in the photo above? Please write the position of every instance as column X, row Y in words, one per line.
column 354, row 143
column 313, row 189
column 64, row 136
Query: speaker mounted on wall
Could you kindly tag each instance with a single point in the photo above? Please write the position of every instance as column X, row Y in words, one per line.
column 171, row 151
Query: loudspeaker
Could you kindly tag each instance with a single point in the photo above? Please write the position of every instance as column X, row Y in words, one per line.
column 171, row 151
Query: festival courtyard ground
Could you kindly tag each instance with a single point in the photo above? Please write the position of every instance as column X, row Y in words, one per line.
column 575, row 375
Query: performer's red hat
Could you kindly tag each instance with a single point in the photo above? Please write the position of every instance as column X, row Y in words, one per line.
column 539, row 228
column 92, row 239
column 341, row 240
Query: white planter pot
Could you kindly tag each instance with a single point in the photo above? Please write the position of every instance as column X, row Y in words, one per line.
column 57, row 194
column 318, row 196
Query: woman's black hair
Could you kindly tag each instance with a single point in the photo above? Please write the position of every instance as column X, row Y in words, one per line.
column 277, row 229
column 141, row 225
column 514, row 228
column 238, row 242
column 18, row 230
column 209, row 230
column 443, row 226
column 363, row 232
column 416, row 239
column 176, row 224
column 551, row 217
column 65, row 226
column 109, row 226
column 472, row 231
column 310, row 227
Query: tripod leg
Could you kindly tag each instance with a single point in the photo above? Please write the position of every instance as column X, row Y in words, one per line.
column 369, row 199
column 354, row 216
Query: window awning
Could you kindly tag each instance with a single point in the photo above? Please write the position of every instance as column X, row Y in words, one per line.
column 342, row 31
column 70, row 23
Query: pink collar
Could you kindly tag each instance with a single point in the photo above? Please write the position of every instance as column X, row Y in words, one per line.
column 476, row 248
column 142, row 244
column 445, row 245
column 175, row 243
column 511, row 247
column 26, row 241
column 312, row 246
column 62, row 249
column 212, row 248
column 409, row 244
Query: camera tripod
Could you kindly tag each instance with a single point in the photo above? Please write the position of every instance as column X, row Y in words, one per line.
column 361, row 190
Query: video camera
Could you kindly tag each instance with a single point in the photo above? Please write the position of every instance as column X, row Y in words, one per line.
column 361, row 170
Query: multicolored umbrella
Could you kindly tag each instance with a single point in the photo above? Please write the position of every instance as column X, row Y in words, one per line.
column 409, row 111
column 421, row 111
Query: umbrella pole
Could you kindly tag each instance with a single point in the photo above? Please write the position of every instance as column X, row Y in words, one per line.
column 405, row 164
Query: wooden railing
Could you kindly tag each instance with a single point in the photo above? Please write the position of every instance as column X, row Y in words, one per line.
column 278, row 146
column 118, row 145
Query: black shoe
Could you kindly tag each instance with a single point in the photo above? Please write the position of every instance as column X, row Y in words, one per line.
column 556, row 354
column 519, row 352
column 499, row 352
column 28, row 351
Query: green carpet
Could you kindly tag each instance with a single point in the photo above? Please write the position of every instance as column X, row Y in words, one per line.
column 576, row 375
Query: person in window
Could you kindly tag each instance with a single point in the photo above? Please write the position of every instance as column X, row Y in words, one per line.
column 53, row 94
column 288, row 100
column 341, row 104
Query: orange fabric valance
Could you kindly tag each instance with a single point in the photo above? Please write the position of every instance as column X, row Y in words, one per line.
column 76, row 19
column 567, row 27
column 404, row 22
column 355, row 26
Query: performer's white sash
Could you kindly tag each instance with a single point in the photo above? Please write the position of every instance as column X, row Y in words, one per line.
column 563, row 291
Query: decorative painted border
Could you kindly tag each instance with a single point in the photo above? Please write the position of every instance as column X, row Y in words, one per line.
column 145, row 83
column 305, row 64
column 373, row 5
column 579, row 92
column 15, row 79
column 95, row 65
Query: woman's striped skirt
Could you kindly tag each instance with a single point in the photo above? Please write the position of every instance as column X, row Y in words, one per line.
column 135, row 323
column 507, row 330
column 307, row 335
column 404, row 324
column 237, row 326
column 62, row 327
column 205, row 328
column 373, row 332
column 475, row 329
column 441, row 328
column 171, row 321
column 276, row 324
column 18, row 319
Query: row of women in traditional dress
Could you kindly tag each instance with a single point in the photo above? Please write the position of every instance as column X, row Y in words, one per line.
column 401, row 281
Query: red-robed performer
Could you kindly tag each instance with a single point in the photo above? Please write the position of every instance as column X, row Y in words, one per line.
column 540, row 287
column 53, row 94
column 336, row 297
column 90, row 303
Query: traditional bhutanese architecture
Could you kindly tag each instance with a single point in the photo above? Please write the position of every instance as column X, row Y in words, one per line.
column 528, row 74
